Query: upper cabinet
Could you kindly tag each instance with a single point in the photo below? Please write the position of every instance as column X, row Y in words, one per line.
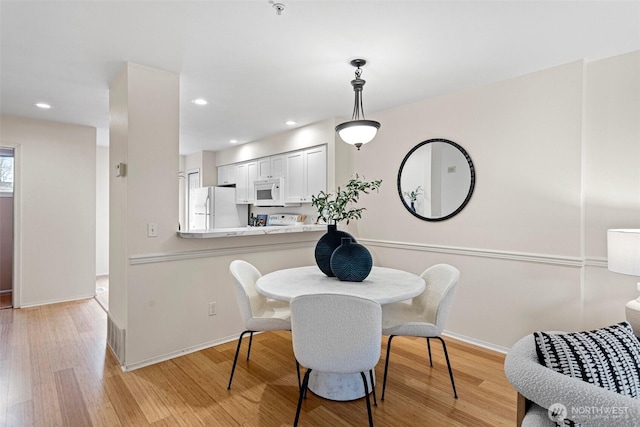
column 316, row 171
column 246, row 174
column 305, row 173
column 271, row 167
column 227, row 174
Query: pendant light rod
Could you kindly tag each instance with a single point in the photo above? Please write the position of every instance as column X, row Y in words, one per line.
column 358, row 84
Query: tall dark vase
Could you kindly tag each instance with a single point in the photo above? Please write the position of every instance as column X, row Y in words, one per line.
column 351, row 262
column 326, row 245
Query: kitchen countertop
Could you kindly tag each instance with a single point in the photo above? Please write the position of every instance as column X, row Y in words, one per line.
column 250, row 231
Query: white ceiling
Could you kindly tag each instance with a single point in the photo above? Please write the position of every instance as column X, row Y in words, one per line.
column 258, row 69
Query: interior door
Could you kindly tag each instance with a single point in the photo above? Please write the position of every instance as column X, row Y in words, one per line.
column 6, row 227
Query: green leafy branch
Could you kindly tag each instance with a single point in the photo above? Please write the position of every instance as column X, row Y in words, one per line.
column 334, row 208
column 413, row 195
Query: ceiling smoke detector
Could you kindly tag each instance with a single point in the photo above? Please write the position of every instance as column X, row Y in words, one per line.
column 279, row 7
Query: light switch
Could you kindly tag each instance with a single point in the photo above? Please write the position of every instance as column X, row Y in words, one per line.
column 152, row 229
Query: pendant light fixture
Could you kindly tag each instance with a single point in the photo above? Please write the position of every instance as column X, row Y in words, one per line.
column 358, row 131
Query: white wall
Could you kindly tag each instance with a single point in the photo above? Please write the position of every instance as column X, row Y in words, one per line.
column 551, row 149
column 144, row 135
column 56, row 184
column 611, row 159
column 102, row 211
column 205, row 162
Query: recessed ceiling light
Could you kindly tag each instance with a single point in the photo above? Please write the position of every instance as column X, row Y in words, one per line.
column 43, row 105
column 290, row 123
column 200, row 101
column 233, row 141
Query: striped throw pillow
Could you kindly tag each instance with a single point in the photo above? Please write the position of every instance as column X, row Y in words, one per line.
column 607, row 357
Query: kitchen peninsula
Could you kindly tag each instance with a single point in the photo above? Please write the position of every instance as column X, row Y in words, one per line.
column 251, row 231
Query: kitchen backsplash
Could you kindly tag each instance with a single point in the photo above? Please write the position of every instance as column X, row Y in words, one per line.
column 304, row 209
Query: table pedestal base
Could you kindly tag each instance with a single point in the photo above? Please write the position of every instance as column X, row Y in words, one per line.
column 340, row 387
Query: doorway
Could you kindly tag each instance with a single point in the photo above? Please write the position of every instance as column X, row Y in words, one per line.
column 6, row 226
column 193, row 181
column 102, row 226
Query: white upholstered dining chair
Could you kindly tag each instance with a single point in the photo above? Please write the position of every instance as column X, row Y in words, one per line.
column 259, row 314
column 338, row 334
column 423, row 316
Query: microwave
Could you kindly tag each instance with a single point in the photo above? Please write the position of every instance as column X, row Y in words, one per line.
column 269, row 192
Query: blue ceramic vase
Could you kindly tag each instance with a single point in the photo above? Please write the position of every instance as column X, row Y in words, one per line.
column 326, row 245
column 351, row 262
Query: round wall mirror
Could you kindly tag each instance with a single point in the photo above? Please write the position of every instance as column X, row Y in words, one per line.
column 436, row 179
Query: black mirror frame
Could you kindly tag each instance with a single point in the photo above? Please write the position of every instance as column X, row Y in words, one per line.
column 471, row 185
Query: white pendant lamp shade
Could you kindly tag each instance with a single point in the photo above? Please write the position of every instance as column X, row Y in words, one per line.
column 358, row 131
column 623, row 251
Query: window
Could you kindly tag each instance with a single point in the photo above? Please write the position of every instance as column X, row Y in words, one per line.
column 6, row 171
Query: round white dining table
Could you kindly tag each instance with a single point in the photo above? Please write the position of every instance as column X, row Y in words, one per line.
column 383, row 285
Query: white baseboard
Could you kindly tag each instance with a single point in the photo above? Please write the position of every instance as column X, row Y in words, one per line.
column 172, row 355
column 7, row 291
column 478, row 343
column 57, row 301
column 193, row 349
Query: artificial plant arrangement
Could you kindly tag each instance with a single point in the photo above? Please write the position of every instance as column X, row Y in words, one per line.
column 333, row 208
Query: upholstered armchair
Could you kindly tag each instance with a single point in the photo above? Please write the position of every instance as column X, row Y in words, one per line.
column 540, row 387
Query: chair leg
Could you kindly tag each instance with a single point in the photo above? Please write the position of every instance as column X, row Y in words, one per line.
column 429, row 348
column 446, row 355
column 366, row 395
column 299, row 383
column 235, row 359
column 386, row 366
column 250, row 341
column 305, row 383
column 373, row 388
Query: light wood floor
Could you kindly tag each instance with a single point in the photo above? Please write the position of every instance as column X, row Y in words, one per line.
column 55, row 370
column 6, row 300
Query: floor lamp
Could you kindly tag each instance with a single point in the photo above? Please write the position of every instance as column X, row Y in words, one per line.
column 623, row 253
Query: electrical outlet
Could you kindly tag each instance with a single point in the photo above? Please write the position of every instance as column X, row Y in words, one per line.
column 212, row 309
column 152, row 229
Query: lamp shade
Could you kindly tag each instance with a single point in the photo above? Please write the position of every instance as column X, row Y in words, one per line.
column 623, row 251
column 358, row 132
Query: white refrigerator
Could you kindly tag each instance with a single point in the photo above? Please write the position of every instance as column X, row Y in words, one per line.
column 215, row 207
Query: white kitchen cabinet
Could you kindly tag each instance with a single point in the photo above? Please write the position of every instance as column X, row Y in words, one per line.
column 246, row 174
column 227, row 174
column 315, row 174
column 252, row 171
column 306, row 174
column 271, row 167
column 293, row 172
